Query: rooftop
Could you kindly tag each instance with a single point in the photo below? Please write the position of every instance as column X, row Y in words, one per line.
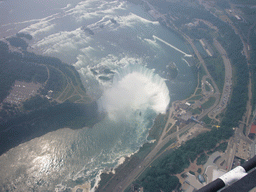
column 253, row 129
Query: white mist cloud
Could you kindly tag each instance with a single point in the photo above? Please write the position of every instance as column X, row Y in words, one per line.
column 39, row 27
column 132, row 19
column 135, row 88
column 152, row 43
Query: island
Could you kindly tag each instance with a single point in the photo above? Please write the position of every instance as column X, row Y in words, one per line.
column 39, row 94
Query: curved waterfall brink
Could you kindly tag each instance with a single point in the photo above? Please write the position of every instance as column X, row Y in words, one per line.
column 134, row 88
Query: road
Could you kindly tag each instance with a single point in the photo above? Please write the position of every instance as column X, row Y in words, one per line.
column 227, row 83
column 217, row 92
column 247, row 55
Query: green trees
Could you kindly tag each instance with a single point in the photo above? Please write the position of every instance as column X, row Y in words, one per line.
column 159, row 179
column 25, row 35
column 222, row 147
column 202, row 159
column 18, row 42
column 36, row 102
column 25, row 126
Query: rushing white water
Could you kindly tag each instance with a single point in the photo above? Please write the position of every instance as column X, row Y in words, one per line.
column 135, row 88
column 186, row 62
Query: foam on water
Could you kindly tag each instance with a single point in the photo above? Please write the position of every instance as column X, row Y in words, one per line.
column 135, row 88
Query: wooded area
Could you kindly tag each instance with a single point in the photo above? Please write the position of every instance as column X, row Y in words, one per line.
column 13, row 67
column 26, row 126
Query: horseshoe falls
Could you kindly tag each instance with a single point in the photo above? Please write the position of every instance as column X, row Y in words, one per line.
column 135, row 88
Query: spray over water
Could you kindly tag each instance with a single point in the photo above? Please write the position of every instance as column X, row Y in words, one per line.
column 134, row 88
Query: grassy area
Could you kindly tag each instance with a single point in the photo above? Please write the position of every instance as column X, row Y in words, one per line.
column 75, row 78
column 158, row 127
column 167, row 145
column 56, row 82
column 144, row 150
column 197, row 97
column 70, row 93
column 196, row 111
column 209, row 80
column 207, row 120
column 183, row 133
column 198, row 91
column 73, row 90
column 65, row 83
column 207, row 88
column 170, row 124
column 66, row 93
column 216, row 68
column 209, row 103
column 74, row 98
column 173, row 130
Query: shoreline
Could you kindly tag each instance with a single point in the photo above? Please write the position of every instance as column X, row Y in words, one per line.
column 122, row 162
column 108, row 178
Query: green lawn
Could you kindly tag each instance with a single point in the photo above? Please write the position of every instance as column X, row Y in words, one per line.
column 216, row 68
column 208, row 103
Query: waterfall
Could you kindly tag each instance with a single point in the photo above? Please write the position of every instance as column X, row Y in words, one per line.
column 135, row 87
